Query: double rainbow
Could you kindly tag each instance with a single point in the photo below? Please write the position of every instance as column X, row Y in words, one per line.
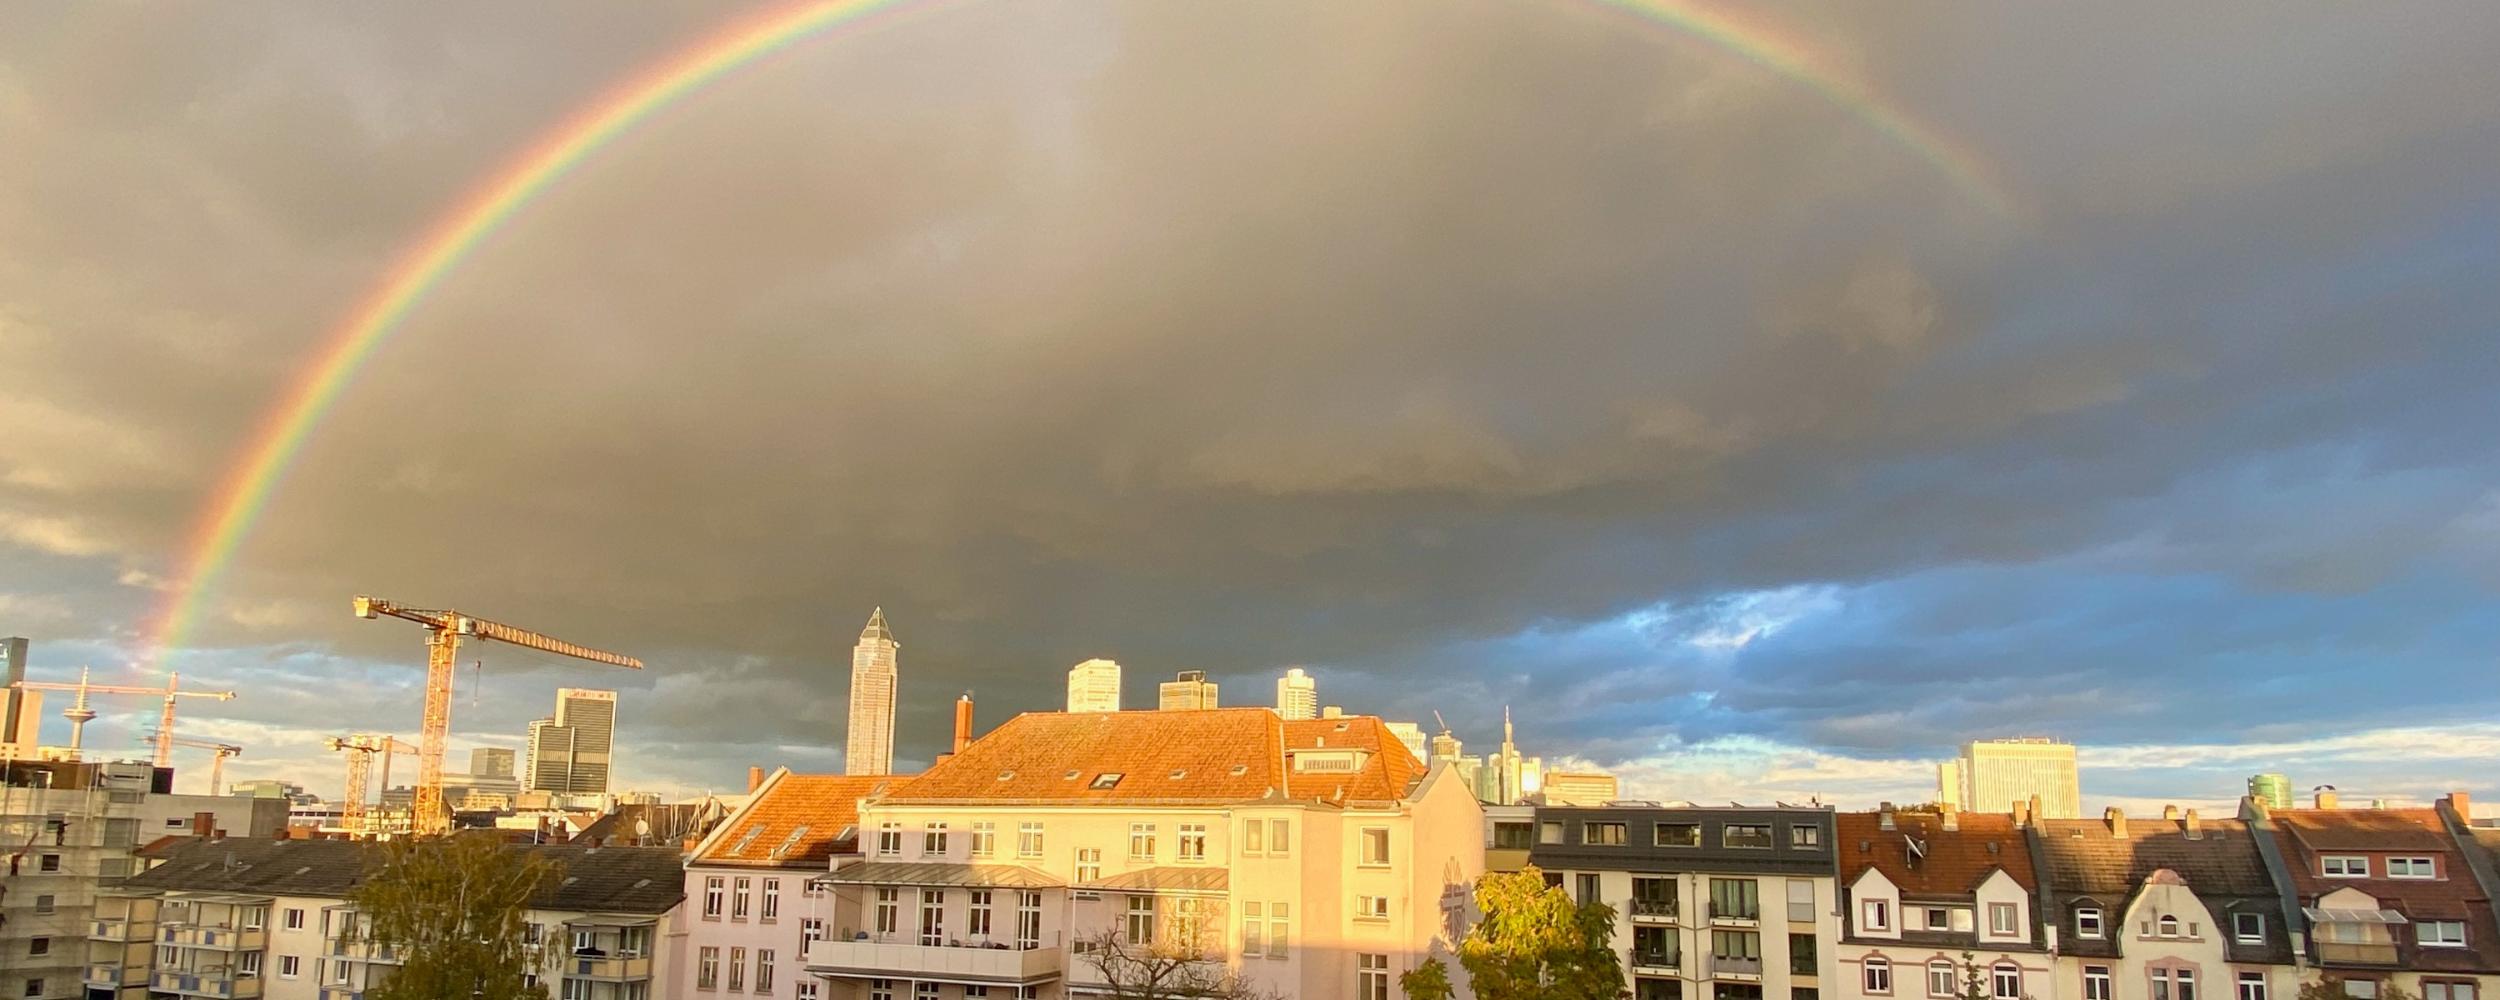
column 245, row 490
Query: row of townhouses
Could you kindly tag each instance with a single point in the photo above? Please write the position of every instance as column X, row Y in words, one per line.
column 1320, row 858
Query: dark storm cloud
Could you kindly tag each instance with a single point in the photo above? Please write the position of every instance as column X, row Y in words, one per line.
column 1405, row 340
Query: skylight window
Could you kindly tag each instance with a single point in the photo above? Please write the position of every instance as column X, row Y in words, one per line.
column 746, row 838
column 787, row 842
column 1179, row 772
column 1107, row 781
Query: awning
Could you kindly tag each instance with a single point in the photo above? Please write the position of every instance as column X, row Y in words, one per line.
column 1164, row 879
column 935, row 874
column 2338, row 915
column 612, row 920
column 226, row 898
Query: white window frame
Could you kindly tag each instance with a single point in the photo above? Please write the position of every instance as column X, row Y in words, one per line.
column 890, row 839
column 1373, row 844
column 294, row 918
column 1876, row 976
column 1949, row 985
column 1875, row 914
column 2344, row 865
column 2250, row 985
column 1371, row 907
column 1029, row 840
column 933, row 839
column 290, row 966
column 984, row 839
column 1141, row 841
column 2011, row 926
column 2088, row 923
column 1997, row 981
column 715, row 896
column 2423, row 929
column 1191, row 842
column 772, row 901
column 2096, row 975
column 2412, row 867
column 2240, row 932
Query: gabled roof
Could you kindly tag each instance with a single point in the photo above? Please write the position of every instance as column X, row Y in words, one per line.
column 2083, row 856
column 1950, row 863
column 794, row 821
column 605, row 879
column 2303, row 834
column 1195, row 757
column 2365, row 829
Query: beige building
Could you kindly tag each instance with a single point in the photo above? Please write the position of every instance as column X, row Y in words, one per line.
column 1993, row 775
column 1094, row 686
column 870, row 746
column 1316, row 858
column 1297, row 695
column 1580, row 788
column 570, row 752
column 750, row 902
column 1190, row 690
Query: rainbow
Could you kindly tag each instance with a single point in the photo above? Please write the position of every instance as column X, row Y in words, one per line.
column 232, row 510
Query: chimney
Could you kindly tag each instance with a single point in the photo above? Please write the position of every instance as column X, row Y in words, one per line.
column 2195, row 830
column 2326, row 797
column 963, row 722
column 2022, row 813
column 1951, row 819
column 1332, row 712
column 1883, row 815
column 2462, row 805
column 2117, row 820
column 2031, row 814
column 2170, row 814
column 755, row 778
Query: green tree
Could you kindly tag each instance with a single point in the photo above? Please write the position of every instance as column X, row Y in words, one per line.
column 1535, row 943
column 1429, row 981
column 2334, row 990
column 455, row 910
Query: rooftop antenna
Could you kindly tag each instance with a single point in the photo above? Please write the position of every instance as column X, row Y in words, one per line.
column 1439, row 721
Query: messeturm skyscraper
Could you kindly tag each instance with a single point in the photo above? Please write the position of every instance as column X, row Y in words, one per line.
column 870, row 749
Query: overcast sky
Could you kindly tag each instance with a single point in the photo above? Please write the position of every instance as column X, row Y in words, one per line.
column 1468, row 353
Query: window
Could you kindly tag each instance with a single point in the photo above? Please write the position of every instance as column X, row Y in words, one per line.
column 1878, row 974
column 1938, row 918
column 1279, row 838
column 2344, row 866
column 2001, row 917
column 706, row 968
column 2096, row 982
column 738, row 900
column 2409, row 868
column 1735, row 898
column 2249, row 928
column 2252, row 986
column 1656, row 948
column 1745, row 835
column 1876, row 915
column 1254, row 838
column 1514, row 836
column 977, row 915
column 2174, row 984
column 1140, row 927
column 290, row 966
column 294, row 918
column 1549, row 832
column 1801, row 955
column 763, row 971
column 1371, row 907
column 1276, row 913
column 2439, row 933
column 1375, row 846
column 2445, row 989
column 1602, row 834
column 737, row 970
column 1736, row 951
column 772, row 899
column 1371, row 977
column 804, row 989
column 924, row 991
column 2006, row 982
column 1941, row 981
column 1800, row 901
column 712, row 895
column 984, row 839
column 932, row 917
column 1088, row 865
column 881, row 989
column 246, row 963
column 1028, row 920
column 1805, row 836
column 43, row 946
column 340, row 970
column 34, row 987
column 1105, row 781
column 1193, row 842
column 1804, row 993
column 811, row 929
column 43, row 903
column 2088, row 922
column 48, row 863
column 889, row 909
column 1253, row 916
column 933, row 840
column 1029, row 841
column 2361, row 989
column 1588, row 886
column 1653, row 896
column 890, row 839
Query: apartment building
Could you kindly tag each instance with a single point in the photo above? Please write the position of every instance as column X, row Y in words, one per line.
column 2390, row 897
column 750, row 882
column 1921, row 889
column 72, row 831
column 261, row 919
column 2163, row 909
column 1316, row 858
column 1710, row 903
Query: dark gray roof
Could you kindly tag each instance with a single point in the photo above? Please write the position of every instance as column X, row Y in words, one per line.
column 2083, row 859
column 605, row 879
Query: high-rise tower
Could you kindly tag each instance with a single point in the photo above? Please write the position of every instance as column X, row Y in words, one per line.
column 1297, row 695
column 1094, row 686
column 569, row 752
column 870, row 748
column 1190, row 690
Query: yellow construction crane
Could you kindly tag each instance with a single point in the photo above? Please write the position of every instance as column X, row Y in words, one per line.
column 78, row 713
column 360, row 749
column 443, row 632
column 216, row 764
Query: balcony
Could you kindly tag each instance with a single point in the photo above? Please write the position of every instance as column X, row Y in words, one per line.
column 1657, row 963
column 119, row 931
column 106, row 975
column 1745, row 969
column 2357, row 954
column 342, row 993
column 608, row 968
column 1735, row 915
column 1653, row 911
column 219, row 983
column 941, row 963
column 360, row 951
column 217, row 936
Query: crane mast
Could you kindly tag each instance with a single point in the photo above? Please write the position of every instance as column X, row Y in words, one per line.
column 78, row 713
column 444, row 630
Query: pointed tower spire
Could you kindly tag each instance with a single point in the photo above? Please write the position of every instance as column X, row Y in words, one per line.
column 876, row 626
column 869, row 745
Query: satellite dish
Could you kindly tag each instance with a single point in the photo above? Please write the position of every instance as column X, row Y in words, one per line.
column 642, row 827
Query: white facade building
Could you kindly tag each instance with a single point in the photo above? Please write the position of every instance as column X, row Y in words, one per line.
column 1094, row 686
column 1297, row 695
column 870, row 741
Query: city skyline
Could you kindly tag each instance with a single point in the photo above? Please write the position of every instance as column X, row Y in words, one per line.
column 1751, row 427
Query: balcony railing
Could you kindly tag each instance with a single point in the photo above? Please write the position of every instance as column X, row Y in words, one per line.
column 1653, row 909
column 217, row 936
column 920, row 961
column 342, row 993
column 2364, row 954
column 1657, row 961
column 1747, row 914
column 361, row 950
column 616, row 968
column 218, row 983
column 1724, row 966
column 122, row 931
column 110, row 976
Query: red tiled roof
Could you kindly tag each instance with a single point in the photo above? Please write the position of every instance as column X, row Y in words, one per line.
column 2306, row 833
column 826, row 804
column 1955, row 863
column 1213, row 755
